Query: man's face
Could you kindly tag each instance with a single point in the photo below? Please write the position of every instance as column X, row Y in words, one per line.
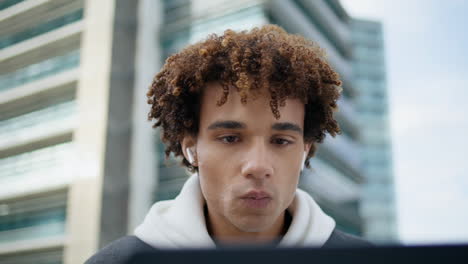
column 249, row 162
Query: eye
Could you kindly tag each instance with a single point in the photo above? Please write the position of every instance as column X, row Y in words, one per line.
column 281, row 141
column 229, row 139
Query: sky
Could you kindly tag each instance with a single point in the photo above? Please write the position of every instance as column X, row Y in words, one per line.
column 426, row 45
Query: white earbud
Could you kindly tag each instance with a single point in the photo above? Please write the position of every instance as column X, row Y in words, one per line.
column 303, row 160
column 190, row 155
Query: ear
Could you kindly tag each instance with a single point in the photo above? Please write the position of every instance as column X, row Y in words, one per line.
column 307, row 146
column 189, row 144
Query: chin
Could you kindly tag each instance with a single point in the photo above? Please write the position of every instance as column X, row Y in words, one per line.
column 254, row 223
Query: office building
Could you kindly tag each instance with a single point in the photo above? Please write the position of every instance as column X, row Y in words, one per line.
column 378, row 204
column 67, row 72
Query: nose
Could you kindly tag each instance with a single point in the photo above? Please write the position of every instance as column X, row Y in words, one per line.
column 257, row 162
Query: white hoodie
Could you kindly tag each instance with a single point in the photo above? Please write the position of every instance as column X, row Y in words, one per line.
column 180, row 223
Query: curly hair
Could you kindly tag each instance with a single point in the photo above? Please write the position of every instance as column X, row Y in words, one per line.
column 287, row 65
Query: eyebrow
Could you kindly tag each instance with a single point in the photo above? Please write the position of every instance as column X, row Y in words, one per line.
column 229, row 124
column 285, row 126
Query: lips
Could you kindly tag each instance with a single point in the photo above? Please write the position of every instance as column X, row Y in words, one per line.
column 257, row 195
column 256, row 199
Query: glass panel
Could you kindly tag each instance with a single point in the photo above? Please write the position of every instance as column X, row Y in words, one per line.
column 29, row 219
column 368, row 38
column 41, row 161
column 49, row 118
column 241, row 19
column 40, row 70
column 175, row 10
column 171, row 176
column 7, row 3
column 41, row 29
column 43, row 256
column 338, row 10
column 375, row 71
column 345, row 149
column 367, row 54
column 31, row 225
column 319, row 25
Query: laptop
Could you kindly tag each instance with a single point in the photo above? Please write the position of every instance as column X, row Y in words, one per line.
column 379, row 255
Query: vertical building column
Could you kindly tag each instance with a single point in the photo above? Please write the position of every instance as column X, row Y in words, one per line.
column 143, row 166
column 84, row 198
column 115, row 195
column 99, row 194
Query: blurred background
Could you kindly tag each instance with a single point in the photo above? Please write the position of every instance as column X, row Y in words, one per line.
column 80, row 164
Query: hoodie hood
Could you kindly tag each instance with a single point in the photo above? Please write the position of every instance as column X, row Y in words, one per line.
column 180, row 223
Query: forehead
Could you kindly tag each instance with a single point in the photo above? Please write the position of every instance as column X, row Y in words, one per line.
column 256, row 113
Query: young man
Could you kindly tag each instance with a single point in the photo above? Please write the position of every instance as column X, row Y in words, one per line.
column 245, row 111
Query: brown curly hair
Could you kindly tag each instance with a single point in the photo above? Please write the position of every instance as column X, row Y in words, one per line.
column 289, row 66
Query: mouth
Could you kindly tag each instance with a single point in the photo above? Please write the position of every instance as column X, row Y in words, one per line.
column 256, row 199
column 256, row 195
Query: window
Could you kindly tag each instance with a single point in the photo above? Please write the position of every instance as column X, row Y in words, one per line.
column 29, row 124
column 7, row 3
column 45, row 161
column 40, row 70
column 33, row 218
column 41, row 29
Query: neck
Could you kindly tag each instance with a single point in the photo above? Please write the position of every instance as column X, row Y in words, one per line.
column 223, row 232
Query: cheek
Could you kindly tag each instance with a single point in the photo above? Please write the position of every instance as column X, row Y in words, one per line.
column 215, row 161
column 210, row 162
column 287, row 190
column 288, row 183
column 213, row 173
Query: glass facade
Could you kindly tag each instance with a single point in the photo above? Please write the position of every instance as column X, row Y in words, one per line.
column 50, row 256
column 40, row 70
column 171, row 175
column 195, row 30
column 369, row 71
column 336, row 194
column 175, row 10
column 32, row 225
column 320, row 26
column 35, row 218
column 43, row 161
column 44, row 119
column 328, row 182
column 37, row 121
column 241, row 19
column 7, row 3
column 16, row 37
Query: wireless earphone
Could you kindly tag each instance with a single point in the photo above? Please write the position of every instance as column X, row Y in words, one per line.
column 190, row 156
